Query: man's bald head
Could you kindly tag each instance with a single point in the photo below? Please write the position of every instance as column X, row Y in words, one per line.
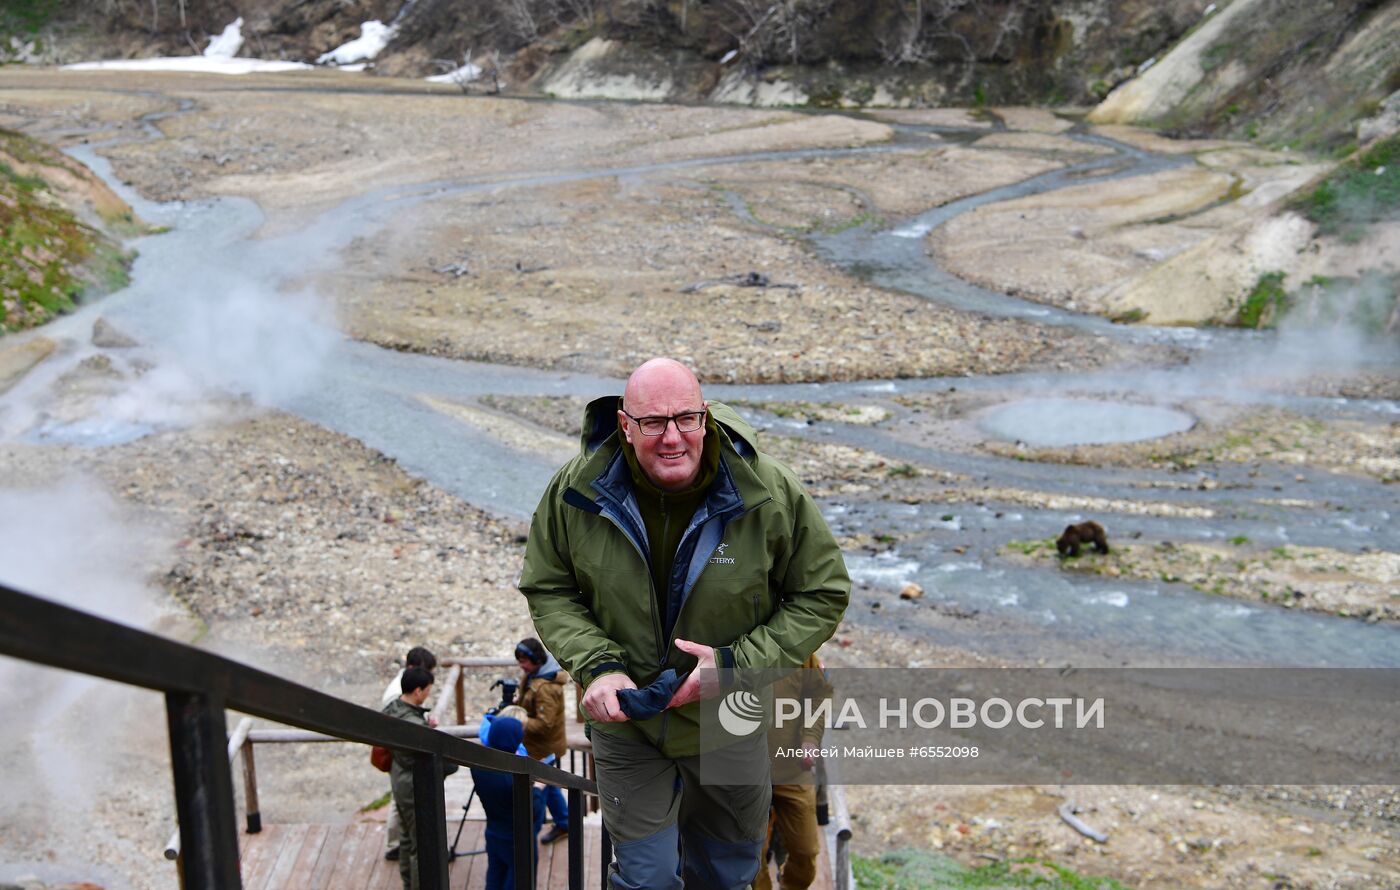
column 664, row 388
column 663, row 378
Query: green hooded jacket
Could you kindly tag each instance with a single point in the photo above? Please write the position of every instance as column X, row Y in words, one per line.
column 757, row 575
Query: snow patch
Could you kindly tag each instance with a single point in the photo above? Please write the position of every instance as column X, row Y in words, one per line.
column 191, row 64
column 227, row 44
column 374, row 36
column 466, row 74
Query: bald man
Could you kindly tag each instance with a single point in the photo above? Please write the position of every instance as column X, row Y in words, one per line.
column 671, row 544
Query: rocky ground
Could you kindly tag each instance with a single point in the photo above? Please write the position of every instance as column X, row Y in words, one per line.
column 458, row 259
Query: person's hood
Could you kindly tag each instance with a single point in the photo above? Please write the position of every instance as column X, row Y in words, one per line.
column 549, row 670
column 505, row 735
column 600, row 423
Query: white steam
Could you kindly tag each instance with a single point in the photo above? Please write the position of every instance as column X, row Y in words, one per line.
column 73, row 543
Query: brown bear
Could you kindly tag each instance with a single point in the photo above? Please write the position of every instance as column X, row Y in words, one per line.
column 1089, row 532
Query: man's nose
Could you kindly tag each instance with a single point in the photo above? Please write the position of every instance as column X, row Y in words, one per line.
column 672, row 434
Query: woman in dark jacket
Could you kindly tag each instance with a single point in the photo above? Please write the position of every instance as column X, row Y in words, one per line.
column 495, row 791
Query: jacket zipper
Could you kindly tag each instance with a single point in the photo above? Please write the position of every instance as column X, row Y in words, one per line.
column 651, row 584
column 660, row 627
column 672, row 640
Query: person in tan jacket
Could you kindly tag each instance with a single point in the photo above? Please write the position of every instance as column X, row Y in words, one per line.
column 794, row 815
column 542, row 696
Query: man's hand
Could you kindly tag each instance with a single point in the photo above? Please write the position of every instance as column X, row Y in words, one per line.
column 703, row 682
column 600, row 701
column 432, row 721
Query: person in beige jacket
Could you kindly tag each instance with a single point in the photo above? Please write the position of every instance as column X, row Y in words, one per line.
column 542, row 696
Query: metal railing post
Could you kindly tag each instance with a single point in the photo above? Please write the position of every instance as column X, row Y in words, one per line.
column 253, row 814
column 430, row 821
column 575, row 839
column 203, row 792
column 430, row 817
column 461, row 688
column 523, row 828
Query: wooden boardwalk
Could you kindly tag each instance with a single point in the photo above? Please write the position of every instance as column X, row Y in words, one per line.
column 351, row 857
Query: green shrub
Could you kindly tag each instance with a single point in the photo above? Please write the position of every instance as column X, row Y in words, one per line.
column 1361, row 191
column 919, row 870
column 1265, row 302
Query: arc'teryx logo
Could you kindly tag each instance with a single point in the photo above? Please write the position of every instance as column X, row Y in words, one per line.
column 719, row 559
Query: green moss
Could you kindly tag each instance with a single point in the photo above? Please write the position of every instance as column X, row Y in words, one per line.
column 919, row 869
column 1363, row 303
column 826, row 96
column 49, row 260
column 24, row 18
column 1265, row 302
column 1362, row 191
column 1029, row 548
column 1131, row 316
column 1239, row 540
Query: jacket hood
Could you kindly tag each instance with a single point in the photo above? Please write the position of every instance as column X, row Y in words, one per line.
column 548, row 671
column 600, row 423
column 505, row 734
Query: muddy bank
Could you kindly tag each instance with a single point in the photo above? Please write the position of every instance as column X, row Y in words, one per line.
column 1316, row 579
column 1232, row 434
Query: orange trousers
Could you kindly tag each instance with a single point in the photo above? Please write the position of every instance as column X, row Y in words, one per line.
column 795, row 818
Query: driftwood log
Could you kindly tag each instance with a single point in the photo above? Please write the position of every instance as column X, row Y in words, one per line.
column 747, row 279
column 1066, row 812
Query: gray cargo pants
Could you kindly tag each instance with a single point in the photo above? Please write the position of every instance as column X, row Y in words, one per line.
column 672, row 825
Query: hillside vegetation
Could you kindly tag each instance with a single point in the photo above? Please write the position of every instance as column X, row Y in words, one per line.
column 59, row 231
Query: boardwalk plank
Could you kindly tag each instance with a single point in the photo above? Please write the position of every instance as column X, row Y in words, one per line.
column 345, row 859
column 305, row 862
column 474, row 838
column 368, row 857
column 351, row 857
column 330, row 856
column 554, row 863
column 593, row 865
column 287, row 857
column 259, row 853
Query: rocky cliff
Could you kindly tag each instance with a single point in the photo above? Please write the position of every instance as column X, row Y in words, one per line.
column 824, row 51
column 1279, row 71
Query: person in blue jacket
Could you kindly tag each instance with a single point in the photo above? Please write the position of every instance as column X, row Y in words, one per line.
column 494, row 789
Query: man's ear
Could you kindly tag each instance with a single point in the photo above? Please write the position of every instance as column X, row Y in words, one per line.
column 622, row 425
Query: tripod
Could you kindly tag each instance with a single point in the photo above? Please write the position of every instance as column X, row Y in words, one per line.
column 452, row 854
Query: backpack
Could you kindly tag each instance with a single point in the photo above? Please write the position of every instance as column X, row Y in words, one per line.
column 381, row 758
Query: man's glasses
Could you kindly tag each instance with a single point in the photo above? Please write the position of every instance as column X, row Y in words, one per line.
column 688, row 422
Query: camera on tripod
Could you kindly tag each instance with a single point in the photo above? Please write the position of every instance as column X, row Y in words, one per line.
column 508, row 687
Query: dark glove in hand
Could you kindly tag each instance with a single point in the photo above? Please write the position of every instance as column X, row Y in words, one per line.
column 639, row 704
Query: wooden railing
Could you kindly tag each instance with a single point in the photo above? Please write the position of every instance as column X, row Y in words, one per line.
column 200, row 686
